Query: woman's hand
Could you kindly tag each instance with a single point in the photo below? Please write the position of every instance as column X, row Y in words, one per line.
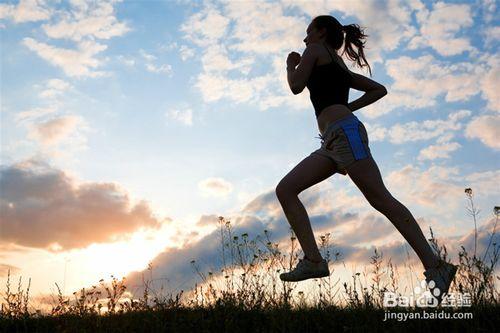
column 292, row 60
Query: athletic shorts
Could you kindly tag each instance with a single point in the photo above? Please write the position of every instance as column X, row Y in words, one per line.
column 344, row 142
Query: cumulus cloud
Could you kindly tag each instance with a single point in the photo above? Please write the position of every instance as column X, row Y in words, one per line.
column 439, row 27
column 26, row 11
column 41, row 206
column 205, row 27
column 486, row 129
column 215, row 186
column 87, row 19
column 432, row 188
column 53, row 131
column 82, row 23
column 217, row 31
column 412, row 131
column 419, row 82
column 489, row 85
column 433, row 152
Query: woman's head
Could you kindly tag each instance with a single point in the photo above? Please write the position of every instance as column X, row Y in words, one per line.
column 326, row 28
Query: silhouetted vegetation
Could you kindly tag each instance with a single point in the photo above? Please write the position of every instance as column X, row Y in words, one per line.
column 246, row 295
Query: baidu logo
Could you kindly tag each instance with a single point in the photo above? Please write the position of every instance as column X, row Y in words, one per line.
column 423, row 296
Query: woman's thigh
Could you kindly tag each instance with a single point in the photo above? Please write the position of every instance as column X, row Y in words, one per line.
column 366, row 175
column 308, row 172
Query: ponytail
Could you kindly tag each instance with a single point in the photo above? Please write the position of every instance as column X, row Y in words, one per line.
column 354, row 35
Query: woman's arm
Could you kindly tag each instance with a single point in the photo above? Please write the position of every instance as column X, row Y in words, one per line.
column 298, row 77
column 373, row 91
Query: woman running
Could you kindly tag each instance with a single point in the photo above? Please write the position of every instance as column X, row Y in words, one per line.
column 344, row 146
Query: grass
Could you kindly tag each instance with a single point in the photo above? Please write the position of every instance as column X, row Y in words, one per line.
column 247, row 295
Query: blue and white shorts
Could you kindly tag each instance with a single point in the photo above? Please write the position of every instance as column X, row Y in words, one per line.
column 344, row 142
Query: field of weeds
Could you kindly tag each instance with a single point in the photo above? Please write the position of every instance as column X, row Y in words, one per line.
column 248, row 296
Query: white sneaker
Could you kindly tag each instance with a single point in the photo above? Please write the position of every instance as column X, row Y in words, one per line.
column 306, row 269
column 442, row 275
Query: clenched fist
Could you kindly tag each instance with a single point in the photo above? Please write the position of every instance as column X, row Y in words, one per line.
column 293, row 59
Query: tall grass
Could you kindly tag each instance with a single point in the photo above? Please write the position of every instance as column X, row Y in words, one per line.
column 248, row 281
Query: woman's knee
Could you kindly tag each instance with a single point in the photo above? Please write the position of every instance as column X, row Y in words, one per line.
column 283, row 190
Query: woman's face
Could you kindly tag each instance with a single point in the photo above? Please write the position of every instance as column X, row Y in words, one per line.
column 313, row 35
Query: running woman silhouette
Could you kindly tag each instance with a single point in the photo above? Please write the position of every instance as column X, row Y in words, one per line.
column 344, row 144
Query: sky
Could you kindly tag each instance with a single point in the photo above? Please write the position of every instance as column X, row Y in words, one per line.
column 129, row 127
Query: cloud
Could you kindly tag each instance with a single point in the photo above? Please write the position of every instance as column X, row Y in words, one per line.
column 205, row 27
column 5, row 268
column 159, row 69
column 432, row 188
column 126, row 61
column 419, row 130
column 418, row 82
column 83, row 22
column 26, row 11
column 75, row 63
column 34, row 113
column 485, row 128
column 186, row 52
column 488, row 8
column 54, row 88
column 150, row 67
column 221, row 30
column 489, row 86
column 55, row 130
column 87, row 19
column 439, row 27
column 491, row 35
column 433, row 152
column 486, row 181
column 215, row 186
column 183, row 116
column 147, row 56
column 41, row 206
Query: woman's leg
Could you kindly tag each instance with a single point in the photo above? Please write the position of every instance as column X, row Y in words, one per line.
column 366, row 175
column 311, row 170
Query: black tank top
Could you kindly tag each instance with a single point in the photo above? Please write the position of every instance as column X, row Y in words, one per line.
column 328, row 84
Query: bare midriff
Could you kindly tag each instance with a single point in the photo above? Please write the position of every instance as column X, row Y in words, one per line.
column 330, row 114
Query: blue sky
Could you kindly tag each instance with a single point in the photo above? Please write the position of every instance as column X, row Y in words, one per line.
column 163, row 114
